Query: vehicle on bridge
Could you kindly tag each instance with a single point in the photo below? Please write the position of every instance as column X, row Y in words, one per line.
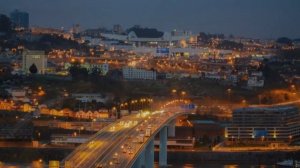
column 148, row 132
column 140, row 138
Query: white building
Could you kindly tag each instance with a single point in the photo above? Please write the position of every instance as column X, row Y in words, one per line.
column 38, row 58
column 19, row 95
column 255, row 79
column 89, row 97
column 140, row 36
column 213, row 75
column 135, row 73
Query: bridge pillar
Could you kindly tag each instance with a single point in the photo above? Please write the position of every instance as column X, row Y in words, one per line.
column 163, row 137
column 140, row 161
column 171, row 128
column 149, row 155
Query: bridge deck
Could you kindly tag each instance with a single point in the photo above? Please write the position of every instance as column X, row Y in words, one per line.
column 120, row 143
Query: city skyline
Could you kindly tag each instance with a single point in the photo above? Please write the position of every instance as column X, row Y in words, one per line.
column 258, row 19
column 149, row 83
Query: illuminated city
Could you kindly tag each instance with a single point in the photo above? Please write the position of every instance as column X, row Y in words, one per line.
column 149, row 84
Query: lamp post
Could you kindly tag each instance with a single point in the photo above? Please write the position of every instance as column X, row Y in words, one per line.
column 81, row 128
column 174, row 91
column 290, row 138
column 183, row 93
column 94, row 120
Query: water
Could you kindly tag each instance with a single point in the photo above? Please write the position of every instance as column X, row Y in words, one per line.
column 172, row 165
column 215, row 165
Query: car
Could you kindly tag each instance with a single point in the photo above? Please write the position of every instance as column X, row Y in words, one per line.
column 123, row 148
column 130, row 152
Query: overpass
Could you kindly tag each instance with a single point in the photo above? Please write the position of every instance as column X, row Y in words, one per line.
column 128, row 142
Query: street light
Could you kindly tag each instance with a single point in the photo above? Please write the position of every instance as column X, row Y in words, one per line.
column 174, row 90
column 293, row 87
column 94, row 120
column 81, row 128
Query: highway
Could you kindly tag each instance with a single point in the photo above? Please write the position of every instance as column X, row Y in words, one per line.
column 120, row 143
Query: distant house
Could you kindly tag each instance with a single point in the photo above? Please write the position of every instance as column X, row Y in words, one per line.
column 130, row 73
column 19, row 95
column 255, row 79
column 90, row 97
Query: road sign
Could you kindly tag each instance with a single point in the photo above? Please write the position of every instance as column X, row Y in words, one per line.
column 163, row 50
column 188, row 106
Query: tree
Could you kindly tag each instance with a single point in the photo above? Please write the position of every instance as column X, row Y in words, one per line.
column 230, row 45
column 33, row 69
column 95, row 73
column 78, row 73
column 284, row 40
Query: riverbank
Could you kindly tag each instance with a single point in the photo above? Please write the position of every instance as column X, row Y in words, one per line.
column 28, row 155
column 253, row 157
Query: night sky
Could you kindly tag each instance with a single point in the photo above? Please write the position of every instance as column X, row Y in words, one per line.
column 249, row 18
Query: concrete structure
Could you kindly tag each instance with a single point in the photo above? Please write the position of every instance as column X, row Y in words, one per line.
column 125, row 142
column 38, row 58
column 163, row 136
column 130, row 73
column 20, row 19
column 279, row 123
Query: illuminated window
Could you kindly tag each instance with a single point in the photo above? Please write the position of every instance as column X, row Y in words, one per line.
column 36, row 57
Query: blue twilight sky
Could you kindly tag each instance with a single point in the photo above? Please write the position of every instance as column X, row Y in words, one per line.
column 249, row 18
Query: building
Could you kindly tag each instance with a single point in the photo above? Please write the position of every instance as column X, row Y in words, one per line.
column 130, row 73
column 276, row 123
column 117, row 29
column 51, row 31
column 38, row 58
column 90, row 97
column 19, row 95
column 255, row 79
column 148, row 37
column 20, row 19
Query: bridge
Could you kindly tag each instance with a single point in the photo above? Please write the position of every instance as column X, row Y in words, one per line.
column 128, row 142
